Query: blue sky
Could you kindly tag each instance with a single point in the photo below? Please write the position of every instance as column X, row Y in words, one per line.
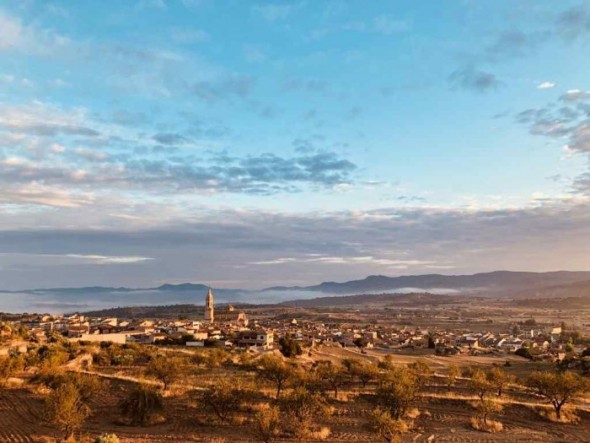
column 245, row 143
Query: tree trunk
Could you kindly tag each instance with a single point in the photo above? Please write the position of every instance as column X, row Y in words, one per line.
column 558, row 410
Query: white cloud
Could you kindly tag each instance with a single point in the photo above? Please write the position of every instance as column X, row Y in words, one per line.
column 109, row 260
column 66, row 259
column 355, row 260
column 11, row 32
column 545, row 85
column 15, row 36
column 44, row 195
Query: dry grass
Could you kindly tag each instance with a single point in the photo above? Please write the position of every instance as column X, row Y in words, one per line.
column 567, row 415
column 321, row 434
column 490, row 426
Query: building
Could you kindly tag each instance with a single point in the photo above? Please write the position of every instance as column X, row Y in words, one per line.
column 256, row 339
column 209, row 308
column 230, row 316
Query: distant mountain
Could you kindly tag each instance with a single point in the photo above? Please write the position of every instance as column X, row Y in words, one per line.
column 579, row 289
column 97, row 290
column 490, row 282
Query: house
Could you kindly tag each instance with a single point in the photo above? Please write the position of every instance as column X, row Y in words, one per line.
column 255, row 339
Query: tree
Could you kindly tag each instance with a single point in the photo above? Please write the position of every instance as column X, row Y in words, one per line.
column 431, row 343
column 332, row 375
column 360, row 342
column 275, row 370
column 452, row 375
column 66, row 409
column 165, row 370
column 486, row 407
column 290, row 348
column 396, row 391
column 480, row 384
column 142, row 406
column 524, row 351
column 9, row 366
column 557, row 388
column 387, row 427
column 267, row 423
column 365, row 372
column 422, row 371
column 224, row 399
column 301, row 407
column 499, row 379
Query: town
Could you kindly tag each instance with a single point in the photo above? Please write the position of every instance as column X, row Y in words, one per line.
column 231, row 328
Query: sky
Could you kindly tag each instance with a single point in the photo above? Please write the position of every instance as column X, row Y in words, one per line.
column 246, row 144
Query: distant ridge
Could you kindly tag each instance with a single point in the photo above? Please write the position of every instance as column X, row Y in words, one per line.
column 494, row 282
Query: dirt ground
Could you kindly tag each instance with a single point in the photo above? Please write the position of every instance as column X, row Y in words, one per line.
column 441, row 420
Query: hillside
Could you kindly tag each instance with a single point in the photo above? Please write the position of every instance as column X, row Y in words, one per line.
column 366, row 300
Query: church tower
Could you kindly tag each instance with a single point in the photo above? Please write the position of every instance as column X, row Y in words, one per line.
column 209, row 309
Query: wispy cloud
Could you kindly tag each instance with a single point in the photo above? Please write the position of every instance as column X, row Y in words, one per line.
column 473, row 79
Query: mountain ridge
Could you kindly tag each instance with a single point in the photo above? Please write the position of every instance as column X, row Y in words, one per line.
column 494, row 282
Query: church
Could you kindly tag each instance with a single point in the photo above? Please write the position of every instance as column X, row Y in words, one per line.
column 228, row 316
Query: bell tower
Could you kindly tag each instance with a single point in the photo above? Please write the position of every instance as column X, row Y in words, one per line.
column 209, row 309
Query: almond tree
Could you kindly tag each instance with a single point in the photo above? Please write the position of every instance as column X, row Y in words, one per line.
column 65, row 408
column 558, row 388
column 275, row 370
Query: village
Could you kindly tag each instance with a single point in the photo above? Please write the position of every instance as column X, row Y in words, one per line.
column 227, row 327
